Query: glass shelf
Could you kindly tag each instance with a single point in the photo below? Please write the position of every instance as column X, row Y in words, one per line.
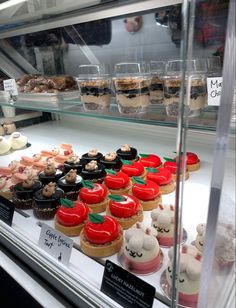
column 156, row 114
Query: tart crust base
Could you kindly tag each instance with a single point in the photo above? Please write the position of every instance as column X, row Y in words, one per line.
column 128, row 222
column 181, row 176
column 68, row 230
column 120, row 191
column 168, row 188
column 151, row 204
column 100, row 251
column 98, row 207
column 194, row 167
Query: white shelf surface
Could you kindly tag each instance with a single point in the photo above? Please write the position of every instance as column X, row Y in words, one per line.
column 85, row 134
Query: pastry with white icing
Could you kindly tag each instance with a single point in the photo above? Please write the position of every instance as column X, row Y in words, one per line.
column 5, row 145
column 18, row 141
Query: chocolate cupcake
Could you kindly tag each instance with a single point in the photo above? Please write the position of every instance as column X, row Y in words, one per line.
column 47, row 201
column 94, row 172
column 74, row 162
column 111, row 161
column 50, row 174
column 71, row 184
column 22, row 193
column 92, row 155
column 128, row 153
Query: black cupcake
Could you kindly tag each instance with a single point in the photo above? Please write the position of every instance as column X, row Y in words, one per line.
column 94, row 172
column 50, row 174
column 47, row 201
column 128, row 153
column 111, row 161
column 73, row 162
column 22, row 193
column 71, row 184
column 92, row 155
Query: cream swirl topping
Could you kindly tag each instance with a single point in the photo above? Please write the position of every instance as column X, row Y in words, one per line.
column 93, row 165
column 125, row 148
column 93, row 153
column 110, row 156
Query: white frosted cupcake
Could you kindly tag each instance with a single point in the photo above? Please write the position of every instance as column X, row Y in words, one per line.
column 18, row 141
column 5, row 145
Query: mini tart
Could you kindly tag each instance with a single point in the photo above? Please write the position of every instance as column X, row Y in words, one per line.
column 171, row 165
column 115, row 164
column 94, row 195
column 125, row 209
column 23, row 197
column 89, row 158
column 150, row 160
column 78, row 165
column 133, row 169
column 118, row 183
column 130, row 154
column 45, row 207
column 163, row 178
column 96, row 175
column 71, row 189
column 193, row 162
column 45, row 178
column 102, row 236
column 147, row 192
column 70, row 217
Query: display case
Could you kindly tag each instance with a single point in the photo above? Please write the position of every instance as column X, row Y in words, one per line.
column 136, row 163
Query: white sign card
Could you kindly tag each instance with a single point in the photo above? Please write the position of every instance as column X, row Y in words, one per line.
column 56, row 244
column 10, row 86
column 214, row 86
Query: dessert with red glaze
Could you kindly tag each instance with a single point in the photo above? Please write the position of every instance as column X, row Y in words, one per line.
column 93, row 154
column 125, row 209
column 46, row 201
column 163, row 178
column 127, row 152
column 147, row 192
column 141, row 253
column 71, row 217
column 93, row 171
column 192, row 161
column 102, row 236
column 71, row 184
column 22, row 193
column 74, row 162
column 111, row 161
column 50, row 174
column 171, row 165
column 133, row 168
column 94, row 195
column 118, row 183
column 150, row 160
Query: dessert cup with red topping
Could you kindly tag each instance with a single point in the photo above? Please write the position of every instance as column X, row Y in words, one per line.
column 150, row 160
column 50, row 174
column 74, row 162
column 94, row 172
column 118, row 183
column 93, row 154
column 163, row 178
column 111, row 161
column 47, row 200
column 71, row 217
column 126, row 209
column 102, row 236
column 141, row 252
column 71, row 184
column 127, row 152
column 147, row 192
column 22, row 193
column 94, row 195
column 171, row 165
column 133, row 168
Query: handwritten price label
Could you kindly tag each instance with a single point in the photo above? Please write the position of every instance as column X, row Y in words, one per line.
column 214, row 87
column 10, row 86
column 56, row 244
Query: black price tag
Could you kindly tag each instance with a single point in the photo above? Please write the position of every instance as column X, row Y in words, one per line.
column 125, row 288
column 6, row 210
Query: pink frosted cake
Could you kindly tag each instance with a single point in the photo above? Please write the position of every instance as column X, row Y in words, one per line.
column 189, row 277
column 141, row 250
column 163, row 222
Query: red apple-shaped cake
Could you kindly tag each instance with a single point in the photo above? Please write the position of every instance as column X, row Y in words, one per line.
column 94, row 195
column 150, row 160
column 70, row 217
column 192, row 161
column 147, row 192
column 126, row 209
column 163, row 178
column 118, row 183
column 171, row 165
column 102, row 236
column 133, row 168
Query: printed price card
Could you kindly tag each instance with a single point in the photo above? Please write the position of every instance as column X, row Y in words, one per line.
column 10, row 86
column 214, row 86
column 56, row 244
column 6, row 210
